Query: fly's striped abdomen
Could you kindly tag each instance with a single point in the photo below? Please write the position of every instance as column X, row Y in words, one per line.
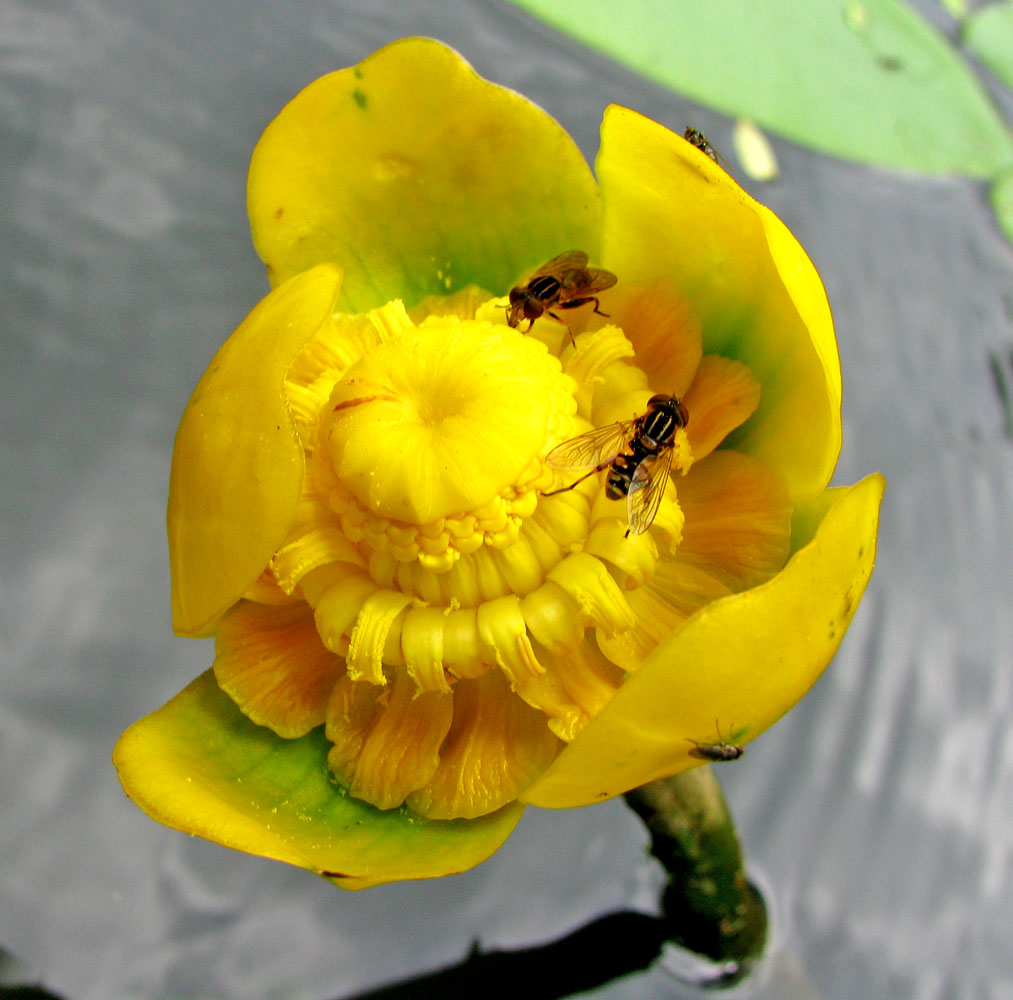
column 620, row 474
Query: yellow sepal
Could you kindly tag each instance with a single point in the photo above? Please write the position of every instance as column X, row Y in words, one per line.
column 418, row 178
column 237, row 465
column 732, row 670
column 670, row 212
column 200, row 766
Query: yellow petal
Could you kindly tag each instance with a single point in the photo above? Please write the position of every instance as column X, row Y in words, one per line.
column 351, row 711
column 656, row 619
column 664, row 331
column 743, row 661
column 418, row 178
column 685, row 588
column 237, row 466
column 587, row 677
column 669, row 212
column 723, row 396
column 738, row 519
column 496, row 747
column 501, row 626
column 386, row 744
column 271, row 662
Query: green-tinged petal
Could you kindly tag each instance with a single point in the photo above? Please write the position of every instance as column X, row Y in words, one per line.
column 199, row 765
column 732, row 670
column 671, row 211
column 237, row 466
column 418, row 178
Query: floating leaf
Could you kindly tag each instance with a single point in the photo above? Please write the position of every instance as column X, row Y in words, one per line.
column 989, row 37
column 868, row 80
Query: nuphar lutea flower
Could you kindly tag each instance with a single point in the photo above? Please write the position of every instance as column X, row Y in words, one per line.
column 512, row 491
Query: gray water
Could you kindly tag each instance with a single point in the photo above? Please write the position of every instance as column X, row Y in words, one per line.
column 879, row 813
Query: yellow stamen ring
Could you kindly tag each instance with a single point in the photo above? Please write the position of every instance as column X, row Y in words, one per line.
column 424, row 542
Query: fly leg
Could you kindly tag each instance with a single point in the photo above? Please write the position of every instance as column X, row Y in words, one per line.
column 559, row 319
column 574, row 303
column 576, row 482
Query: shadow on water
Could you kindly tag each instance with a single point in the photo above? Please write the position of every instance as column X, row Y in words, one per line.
column 615, row 945
column 604, row 950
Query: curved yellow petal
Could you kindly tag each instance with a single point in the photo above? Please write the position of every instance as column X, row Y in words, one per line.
column 724, row 395
column 670, row 211
column 199, row 765
column 589, row 679
column 237, row 465
column 738, row 520
column 657, row 618
column 738, row 664
column 495, row 747
column 664, row 331
column 386, row 744
column 418, row 178
column 269, row 659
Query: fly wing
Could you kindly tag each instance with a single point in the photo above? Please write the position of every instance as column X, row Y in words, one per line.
column 596, row 279
column 592, row 449
column 646, row 490
column 572, row 260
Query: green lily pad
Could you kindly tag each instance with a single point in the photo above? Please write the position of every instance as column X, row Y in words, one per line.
column 867, row 80
column 988, row 35
column 199, row 765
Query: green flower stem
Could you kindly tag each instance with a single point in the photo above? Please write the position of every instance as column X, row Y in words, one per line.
column 709, row 904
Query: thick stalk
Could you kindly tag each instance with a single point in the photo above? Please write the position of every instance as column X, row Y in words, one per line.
column 709, row 904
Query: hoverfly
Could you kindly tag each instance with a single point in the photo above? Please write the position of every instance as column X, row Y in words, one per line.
column 637, row 453
column 565, row 282
column 696, row 138
column 716, row 752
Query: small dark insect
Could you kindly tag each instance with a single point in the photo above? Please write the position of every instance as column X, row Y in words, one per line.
column 696, row 138
column 565, row 282
column 637, row 453
column 716, row 752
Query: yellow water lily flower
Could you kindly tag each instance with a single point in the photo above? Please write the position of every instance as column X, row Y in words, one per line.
column 413, row 640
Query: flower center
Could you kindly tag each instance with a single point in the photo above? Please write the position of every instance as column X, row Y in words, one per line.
column 439, row 420
column 429, row 445
column 425, row 540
